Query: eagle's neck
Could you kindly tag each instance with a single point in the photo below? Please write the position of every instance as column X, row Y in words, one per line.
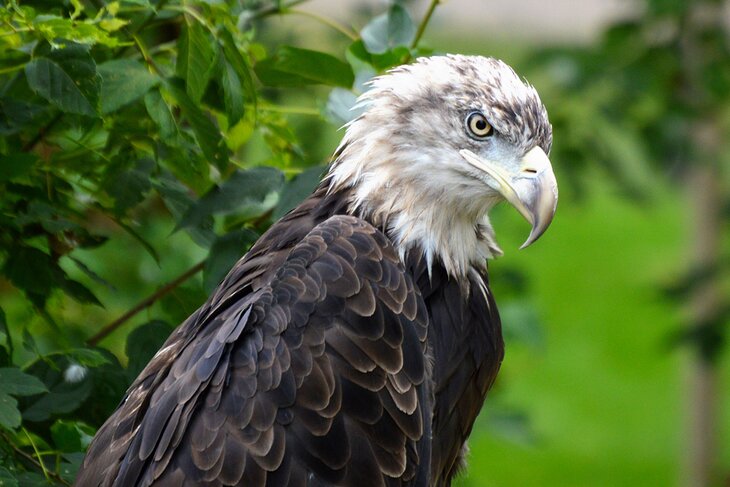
column 393, row 188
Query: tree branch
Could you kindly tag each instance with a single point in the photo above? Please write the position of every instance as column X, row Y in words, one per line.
column 145, row 303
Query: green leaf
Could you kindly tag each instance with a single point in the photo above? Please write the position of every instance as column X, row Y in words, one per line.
column 18, row 115
column 124, row 81
column 67, row 78
column 232, row 93
column 54, row 29
column 297, row 189
column 87, row 357
column 160, row 112
column 9, row 413
column 7, row 479
column 339, row 106
column 241, row 65
column 16, row 382
column 70, row 467
column 79, row 292
column 292, row 66
column 357, row 53
column 139, row 238
column 31, row 270
column 143, row 343
column 196, row 59
column 32, row 479
column 178, row 200
column 6, row 341
column 128, row 182
column 64, row 395
column 389, row 30
column 242, row 188
column 224, row 252
column 208, row 136
column 71, row 436
column 16, row 165
column 183, row 301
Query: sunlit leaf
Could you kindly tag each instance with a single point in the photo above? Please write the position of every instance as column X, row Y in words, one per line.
column 57, row 30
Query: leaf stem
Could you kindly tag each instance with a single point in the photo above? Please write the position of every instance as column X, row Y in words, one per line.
column 37, row 454
column 291, row 110
column 11, row 69
column 146, row 55
column 326, row 21
column 29, row 457
column 423, row 24
column 274, row 9
column 145, row 303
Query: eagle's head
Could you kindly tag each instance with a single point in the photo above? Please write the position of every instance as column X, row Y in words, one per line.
column 440, row 142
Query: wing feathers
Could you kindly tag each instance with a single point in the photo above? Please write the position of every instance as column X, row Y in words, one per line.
column 316, row 377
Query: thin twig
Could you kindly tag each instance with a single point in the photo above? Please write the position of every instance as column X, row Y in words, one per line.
column 274, row 9
column 326, row 21
column 37, row 454
column 28, row 457
column 291, row 110
column 423, row 24
column 145, row 303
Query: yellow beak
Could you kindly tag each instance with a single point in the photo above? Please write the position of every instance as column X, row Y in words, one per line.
column 533, row 190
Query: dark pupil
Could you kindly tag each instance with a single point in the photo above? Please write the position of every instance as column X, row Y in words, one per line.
column 481, row 124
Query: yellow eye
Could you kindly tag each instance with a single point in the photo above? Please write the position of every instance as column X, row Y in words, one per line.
column 478, row 125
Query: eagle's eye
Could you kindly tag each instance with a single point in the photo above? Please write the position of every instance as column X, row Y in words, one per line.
column 478, row 125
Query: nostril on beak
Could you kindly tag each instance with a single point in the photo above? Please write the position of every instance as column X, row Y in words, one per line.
column 529, row 170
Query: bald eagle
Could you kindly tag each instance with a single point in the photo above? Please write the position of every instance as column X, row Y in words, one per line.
column 354, row 344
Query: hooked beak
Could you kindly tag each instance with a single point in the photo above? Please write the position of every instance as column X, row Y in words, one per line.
column 533, row 190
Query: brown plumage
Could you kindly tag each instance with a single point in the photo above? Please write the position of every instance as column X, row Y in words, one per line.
column 338, row 351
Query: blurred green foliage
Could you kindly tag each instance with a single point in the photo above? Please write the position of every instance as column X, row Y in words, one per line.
column 145, row 144
column 126, row 125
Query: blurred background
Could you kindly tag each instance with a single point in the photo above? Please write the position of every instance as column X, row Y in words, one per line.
column 616, row 371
